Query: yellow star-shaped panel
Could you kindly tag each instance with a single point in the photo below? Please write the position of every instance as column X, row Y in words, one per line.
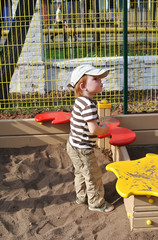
column 136, row 177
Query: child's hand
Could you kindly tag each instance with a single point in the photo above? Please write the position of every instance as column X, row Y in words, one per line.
column 107, row 131
column 105, row 127
column 96, row 129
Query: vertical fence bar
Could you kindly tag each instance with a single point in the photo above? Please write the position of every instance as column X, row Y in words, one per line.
column 125, row 57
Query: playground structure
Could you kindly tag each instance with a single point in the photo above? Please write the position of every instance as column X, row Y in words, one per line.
column 137, row 184
column 26, row 132
column 117, row 135
column 141, row 210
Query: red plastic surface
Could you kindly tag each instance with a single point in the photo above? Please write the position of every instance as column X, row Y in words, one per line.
column 55, row 117
column 121, row 136
column 112, row 123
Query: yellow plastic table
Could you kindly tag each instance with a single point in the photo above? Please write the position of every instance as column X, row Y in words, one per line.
column 137, row 177
column 138, row 184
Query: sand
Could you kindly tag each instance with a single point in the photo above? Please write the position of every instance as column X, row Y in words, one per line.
column 37, row 199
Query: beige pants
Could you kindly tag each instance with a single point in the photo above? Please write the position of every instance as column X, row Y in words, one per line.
column 88, row 177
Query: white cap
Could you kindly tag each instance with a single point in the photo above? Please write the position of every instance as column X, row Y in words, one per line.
column 88, row 70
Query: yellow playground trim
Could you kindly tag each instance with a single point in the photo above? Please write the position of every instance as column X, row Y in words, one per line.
column 94, row 30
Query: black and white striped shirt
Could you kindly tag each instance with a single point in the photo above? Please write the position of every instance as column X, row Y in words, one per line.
column 84, row 110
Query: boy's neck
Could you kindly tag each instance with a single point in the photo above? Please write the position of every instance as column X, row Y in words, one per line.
column 86, row 94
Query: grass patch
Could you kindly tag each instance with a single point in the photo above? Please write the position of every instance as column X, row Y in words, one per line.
column 140, row 48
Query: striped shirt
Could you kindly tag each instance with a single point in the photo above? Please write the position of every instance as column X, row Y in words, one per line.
column 84, row 110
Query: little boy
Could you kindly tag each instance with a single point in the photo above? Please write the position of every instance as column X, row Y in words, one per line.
column 84, row 127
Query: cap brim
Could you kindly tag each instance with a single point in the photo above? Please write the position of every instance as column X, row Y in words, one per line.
column 98, row 73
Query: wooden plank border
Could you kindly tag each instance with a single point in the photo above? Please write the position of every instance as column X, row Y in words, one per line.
column 26, row 132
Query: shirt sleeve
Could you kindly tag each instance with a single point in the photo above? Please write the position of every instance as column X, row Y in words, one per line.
column 90, row 113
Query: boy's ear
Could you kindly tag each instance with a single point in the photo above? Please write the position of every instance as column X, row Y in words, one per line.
column 82, row 86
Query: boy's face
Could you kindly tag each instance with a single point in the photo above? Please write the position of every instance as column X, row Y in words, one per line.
column 93, row 84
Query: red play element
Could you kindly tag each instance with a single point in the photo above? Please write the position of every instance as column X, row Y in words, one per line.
column 120, row 136
column 55, row 117
column 112, row 123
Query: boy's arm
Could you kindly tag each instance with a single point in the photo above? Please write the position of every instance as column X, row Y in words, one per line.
column 96, row 129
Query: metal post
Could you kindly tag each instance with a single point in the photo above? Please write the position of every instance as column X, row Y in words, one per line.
column 125, row 57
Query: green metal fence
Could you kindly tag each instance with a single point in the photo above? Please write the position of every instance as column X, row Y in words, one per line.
column 38, row 54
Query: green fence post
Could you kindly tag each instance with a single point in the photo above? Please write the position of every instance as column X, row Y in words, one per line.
column 125, row 57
